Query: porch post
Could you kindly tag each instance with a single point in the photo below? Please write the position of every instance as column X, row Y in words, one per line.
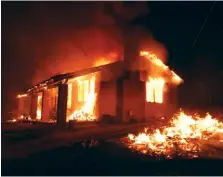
column 33, row 105
column 62, row 104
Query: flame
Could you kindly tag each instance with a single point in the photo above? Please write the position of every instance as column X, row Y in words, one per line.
column 156, row 61
column 39, row 107
column 12, row 120
column 109, row 58
column 154, row 90
column 21, row 95
column 86, row 113
column 185, row 132
column 102, row 61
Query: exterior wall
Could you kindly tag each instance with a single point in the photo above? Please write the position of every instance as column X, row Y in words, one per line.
column 133, row 98
column 24, row 105
column 165, row 109
column 107, row 100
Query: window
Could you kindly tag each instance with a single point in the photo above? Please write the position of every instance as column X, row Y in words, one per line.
column 154, row 90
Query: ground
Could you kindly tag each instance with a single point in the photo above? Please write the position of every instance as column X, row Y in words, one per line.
column 105, row 159
column 47, row 150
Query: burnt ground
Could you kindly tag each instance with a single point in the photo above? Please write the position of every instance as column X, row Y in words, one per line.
column 107, row 158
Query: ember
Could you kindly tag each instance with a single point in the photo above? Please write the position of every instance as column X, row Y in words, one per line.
column 183, row 136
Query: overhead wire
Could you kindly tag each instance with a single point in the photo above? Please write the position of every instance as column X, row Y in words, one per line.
column 204, row 23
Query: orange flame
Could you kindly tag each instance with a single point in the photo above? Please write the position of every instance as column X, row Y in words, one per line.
column 21, row 95
column 102, row 61
column 183, row 131
column 156, row 61
column 39, row 107
column 86, row 113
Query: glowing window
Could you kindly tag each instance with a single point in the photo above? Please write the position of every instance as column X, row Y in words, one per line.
column 154, row 90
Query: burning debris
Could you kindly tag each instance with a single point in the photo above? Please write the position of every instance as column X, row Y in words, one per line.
column 182, row 137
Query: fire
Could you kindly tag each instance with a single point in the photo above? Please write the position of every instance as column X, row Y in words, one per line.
column 21, row 95
column 39, row 107
column 86, row 113
column 183, row 135
column 102, row 61
column 109, row 58
column 154, row 90
column 156, row 61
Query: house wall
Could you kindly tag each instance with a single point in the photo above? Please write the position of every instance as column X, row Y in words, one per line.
column 107, row 100
column 165, row 109
column 133, row 97
column 24, row 105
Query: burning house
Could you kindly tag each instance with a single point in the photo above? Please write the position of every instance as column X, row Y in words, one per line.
column 113, row 89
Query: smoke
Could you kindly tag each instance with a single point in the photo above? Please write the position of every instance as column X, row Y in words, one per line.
column 41, row 39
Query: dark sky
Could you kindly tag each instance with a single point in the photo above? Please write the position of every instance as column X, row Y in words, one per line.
column 40, row 39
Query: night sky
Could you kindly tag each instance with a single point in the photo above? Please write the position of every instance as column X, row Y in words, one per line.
column 40, row 39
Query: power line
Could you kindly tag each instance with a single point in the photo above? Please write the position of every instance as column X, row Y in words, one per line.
column 205, row 21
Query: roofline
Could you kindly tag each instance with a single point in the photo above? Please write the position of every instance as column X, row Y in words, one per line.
column 64, row 77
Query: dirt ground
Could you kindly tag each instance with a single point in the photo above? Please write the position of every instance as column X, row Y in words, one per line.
column 49, row 150
column 106, row 158
column 26, row 139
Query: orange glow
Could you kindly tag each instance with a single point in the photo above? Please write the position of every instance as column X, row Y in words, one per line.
column 21, row 95
column 69, row 97
column 39, row 107
column 175, row 79
column 185, row 132
column 102, row 61
column 86, row 95
column 109, row 58
column 154, row 90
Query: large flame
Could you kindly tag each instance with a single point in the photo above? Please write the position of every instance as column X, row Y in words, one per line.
column 110, row 58
column 174, row 78
column 86, row 112
column 183, row 135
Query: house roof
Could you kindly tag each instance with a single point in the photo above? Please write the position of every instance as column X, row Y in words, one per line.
column 54, row 80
